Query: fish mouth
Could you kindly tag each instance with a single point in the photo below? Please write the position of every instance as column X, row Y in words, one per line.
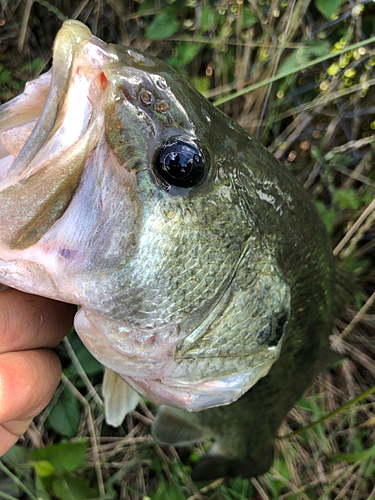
column 47, row 135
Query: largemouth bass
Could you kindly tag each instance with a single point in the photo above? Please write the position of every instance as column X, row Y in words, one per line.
column 204, row 275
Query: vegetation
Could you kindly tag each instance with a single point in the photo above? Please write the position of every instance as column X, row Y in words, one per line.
column 300, row 76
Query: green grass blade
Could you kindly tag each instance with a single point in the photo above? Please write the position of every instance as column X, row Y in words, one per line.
column 284, row 74
column 331, row 414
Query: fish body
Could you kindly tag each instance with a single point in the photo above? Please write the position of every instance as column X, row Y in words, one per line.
column 203, row 271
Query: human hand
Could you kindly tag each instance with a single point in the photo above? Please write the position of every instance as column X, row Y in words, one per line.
column 29, row 371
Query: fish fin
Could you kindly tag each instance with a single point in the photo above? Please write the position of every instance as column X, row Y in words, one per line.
column 171, row 428
column 213, row 466
column 119, row 398
column 209, row 468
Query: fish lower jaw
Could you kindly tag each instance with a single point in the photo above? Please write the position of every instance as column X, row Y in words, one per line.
column 198, row 396
column 149, row 369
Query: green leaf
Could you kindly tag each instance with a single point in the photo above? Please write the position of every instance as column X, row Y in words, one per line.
column 63, row 456
column 69, row 486
column 358, row 302
column 167, row 491
column 146, row 5
column 16, row 455
column 185, row 54
column 8, row 487
column 242, row 487
column 354, row 265
column 249, row 19
column 328, row 215
column 209, row 18
column 42, row 467
column 310, row 404
column 65, row 415
column 347, row 198
column 41, row 490
column 302, row 55
column 360, row 456
column 5, row 76
column 188, row 51
column 17, row 459
column 163, row 26
column 201, row 83
column 328, row 7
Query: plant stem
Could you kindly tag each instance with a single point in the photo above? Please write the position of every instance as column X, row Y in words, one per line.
column 18, row 482
column 331, row 414
column 283, row 74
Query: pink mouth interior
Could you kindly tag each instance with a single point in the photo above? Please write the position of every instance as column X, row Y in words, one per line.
column 47, row 135
column 54, row 111
column 71, row 123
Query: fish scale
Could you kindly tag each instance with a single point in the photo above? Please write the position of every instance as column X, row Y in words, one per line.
column 152, row 287
column 204, row 275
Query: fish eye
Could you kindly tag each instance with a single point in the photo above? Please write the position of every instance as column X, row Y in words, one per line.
column 180, row 163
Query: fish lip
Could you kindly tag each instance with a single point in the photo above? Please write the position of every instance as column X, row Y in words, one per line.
column 68, row 128
column 76, row 53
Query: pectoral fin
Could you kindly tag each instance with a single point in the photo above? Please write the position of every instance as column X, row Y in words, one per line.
column 119, row 398
column 169, row 427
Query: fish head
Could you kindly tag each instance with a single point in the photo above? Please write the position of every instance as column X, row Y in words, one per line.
column 121, row 191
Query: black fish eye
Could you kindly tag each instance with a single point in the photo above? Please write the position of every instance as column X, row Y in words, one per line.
column 180, row 163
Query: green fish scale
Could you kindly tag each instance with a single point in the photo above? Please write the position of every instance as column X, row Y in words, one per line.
column 257, row 294
column 203, row 241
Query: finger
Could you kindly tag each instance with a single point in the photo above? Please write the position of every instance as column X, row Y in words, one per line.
column 29, row 321
column 28, row 380
column 10, row 433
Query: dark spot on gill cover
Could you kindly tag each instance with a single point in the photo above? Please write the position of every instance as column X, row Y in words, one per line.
column 272, row 333
column 279, row 329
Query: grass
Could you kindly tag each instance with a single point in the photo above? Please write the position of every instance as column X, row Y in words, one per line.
column 300, row 76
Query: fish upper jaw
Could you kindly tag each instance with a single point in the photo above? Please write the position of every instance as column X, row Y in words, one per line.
column 52, row 136
column 76, row 87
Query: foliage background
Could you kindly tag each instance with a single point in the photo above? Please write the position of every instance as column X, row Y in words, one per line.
column 318, row 118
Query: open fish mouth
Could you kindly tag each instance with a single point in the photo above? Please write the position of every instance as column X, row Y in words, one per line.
column 47, row 134
column 85, row 219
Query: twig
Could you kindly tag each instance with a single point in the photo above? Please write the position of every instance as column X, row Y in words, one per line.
column 351, row 144
column 330, row 487
column 353, row 175
column 357, row 318
column 274, row 70
column 25, row 22
column 209, row 487
column 259, row 489
column 53, row 9
column 94, row 442
column 82, row 373
column 142, row 418
column 326, row 99
column 354, row 228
